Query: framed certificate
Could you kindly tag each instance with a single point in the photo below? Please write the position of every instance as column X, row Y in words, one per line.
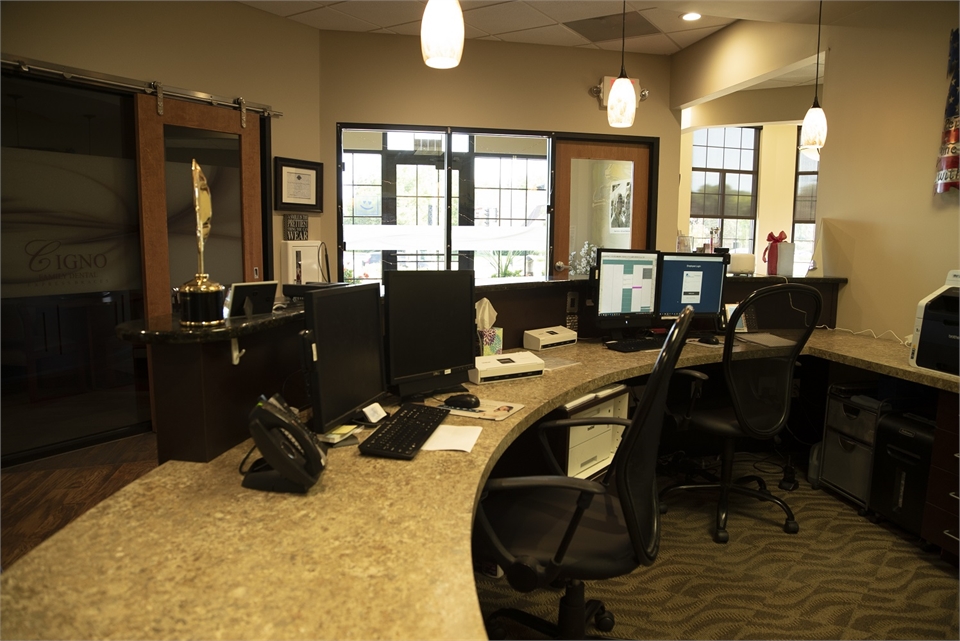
column 298, row 185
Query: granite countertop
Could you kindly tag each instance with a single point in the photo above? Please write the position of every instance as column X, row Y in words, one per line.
column 378, row 549
column 168, row 330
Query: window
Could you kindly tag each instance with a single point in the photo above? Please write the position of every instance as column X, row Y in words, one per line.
column 723, row 195
column 804, row 210
column 394, row 202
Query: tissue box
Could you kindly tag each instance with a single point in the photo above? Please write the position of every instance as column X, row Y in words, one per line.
column 491, row 341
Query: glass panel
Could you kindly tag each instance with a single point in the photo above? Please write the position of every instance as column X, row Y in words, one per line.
column 219, row 157
column 71, row 268
column 601, row 209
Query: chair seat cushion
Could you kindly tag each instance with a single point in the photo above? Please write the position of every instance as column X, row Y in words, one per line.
column 721, row 421
column 532, row 522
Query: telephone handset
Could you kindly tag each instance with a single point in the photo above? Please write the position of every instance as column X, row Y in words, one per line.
column 292, row 458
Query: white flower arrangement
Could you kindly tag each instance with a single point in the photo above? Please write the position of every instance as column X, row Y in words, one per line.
column 582, row 261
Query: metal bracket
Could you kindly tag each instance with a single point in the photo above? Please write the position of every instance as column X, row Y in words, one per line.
column 235, row 351
column 158, row 87
column 243, row 111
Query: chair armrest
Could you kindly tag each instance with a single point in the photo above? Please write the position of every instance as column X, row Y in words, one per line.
column 567, row 423
column 697, row 379
column 560, row 482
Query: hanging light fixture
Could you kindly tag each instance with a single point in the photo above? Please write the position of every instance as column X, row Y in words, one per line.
column 622, row 101
column 813, row 132
column 441, row 34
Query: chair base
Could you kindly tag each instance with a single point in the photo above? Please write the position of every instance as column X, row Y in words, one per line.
column 726, row 485
column 572, row 618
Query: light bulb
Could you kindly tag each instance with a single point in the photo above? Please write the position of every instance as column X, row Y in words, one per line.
column 813, row 132
column 441, row 34
column 621, row 103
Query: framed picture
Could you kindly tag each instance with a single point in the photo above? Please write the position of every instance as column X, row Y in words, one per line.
column 298, row 185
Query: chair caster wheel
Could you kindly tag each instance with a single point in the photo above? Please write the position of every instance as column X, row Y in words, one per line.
column 791, row 527
column 495, row 630
column 721, row 536
column 663, row 507
column 604, row 620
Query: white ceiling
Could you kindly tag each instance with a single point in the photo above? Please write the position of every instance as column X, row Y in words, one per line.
column 651, row 27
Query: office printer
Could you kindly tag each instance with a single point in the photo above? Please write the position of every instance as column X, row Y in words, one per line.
column 936, row 335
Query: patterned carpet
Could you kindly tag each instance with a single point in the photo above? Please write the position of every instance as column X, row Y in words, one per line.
column 841, row 577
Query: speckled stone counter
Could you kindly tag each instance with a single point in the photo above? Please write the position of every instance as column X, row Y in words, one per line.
column 378, row 549
column 167, row 330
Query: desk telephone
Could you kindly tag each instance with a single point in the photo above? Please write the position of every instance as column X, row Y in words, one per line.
column 292, row 457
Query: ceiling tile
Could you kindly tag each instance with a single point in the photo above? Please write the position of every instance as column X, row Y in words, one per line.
column 670, row 21
column 503, row 18
column 332, row 20
column 285, row 8
column 551, row 35
column 386, row 13
column 570, row 10
column 603, row 28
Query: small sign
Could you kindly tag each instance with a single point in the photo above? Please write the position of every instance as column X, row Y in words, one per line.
column 295, row 227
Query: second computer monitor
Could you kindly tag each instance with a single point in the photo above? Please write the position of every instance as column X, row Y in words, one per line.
column 627, row 286
column 430, row 327
column 691, row 279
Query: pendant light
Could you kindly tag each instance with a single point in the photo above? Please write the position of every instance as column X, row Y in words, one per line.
column 813, row 133
column 622, row 101
column 441, row 34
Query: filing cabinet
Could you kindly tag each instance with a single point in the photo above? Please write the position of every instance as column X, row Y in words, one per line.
column 590, row 448
column 848, row 438
column 940, row 516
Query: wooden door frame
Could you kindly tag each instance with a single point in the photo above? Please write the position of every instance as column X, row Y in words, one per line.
column 152, row 191
column 642, row 236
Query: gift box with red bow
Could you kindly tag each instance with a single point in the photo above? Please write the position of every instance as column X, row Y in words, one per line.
column 778, row 255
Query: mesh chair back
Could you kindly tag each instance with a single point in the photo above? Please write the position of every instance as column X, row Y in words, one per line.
column 634, row 465
column 758, row 363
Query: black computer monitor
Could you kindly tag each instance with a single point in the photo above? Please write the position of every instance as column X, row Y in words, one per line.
column 626, row 289
column 343, row 352
column 691, row 279
column 429, row 329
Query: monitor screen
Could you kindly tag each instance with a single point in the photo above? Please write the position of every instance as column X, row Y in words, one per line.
column 691, row 279
column 343, row 352
column 429, row 328
column 626, row 281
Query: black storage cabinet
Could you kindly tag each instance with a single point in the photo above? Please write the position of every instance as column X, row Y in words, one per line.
column 901, row 463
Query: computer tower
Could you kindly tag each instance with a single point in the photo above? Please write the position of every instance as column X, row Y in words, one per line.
column 901, row 465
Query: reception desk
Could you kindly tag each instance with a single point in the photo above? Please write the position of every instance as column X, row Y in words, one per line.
column 378, row 549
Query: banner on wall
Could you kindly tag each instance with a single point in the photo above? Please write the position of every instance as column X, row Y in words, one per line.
column 69, row 224
column 948, row 164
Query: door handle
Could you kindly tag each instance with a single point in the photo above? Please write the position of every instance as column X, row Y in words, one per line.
column 559, row 266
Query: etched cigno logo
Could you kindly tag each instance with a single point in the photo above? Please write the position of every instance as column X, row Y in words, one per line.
column 43, row 256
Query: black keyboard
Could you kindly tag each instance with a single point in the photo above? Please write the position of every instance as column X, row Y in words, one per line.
column 637, row 344
column 405, row 432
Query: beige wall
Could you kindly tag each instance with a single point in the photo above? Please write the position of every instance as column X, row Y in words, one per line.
column 223, row 48
column 884, row 93
column 381, row 79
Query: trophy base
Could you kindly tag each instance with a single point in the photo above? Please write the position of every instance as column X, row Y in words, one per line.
column 201, row 304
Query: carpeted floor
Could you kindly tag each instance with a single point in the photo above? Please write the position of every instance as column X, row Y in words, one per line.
column 841, row 577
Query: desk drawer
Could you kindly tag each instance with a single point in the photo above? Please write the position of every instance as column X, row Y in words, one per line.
column 590, row 455
column 945, row 451
column 846, row 465
column 940, row 528
column 942, row 490
column 848, row 417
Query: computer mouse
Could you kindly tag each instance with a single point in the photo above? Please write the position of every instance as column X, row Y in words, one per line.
column 709, row 340
column 463, row 401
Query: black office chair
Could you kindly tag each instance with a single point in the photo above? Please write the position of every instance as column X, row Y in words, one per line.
column 557, row 530
column 758, row 362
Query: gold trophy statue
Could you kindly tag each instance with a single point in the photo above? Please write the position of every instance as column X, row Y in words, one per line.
column 201, row 299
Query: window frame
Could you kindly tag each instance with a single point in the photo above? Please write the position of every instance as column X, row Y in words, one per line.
column 798, row 174
column 754, row 172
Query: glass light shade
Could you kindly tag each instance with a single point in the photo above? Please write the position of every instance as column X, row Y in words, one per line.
column 621, row 103
column 441, row 34
column 813, row 133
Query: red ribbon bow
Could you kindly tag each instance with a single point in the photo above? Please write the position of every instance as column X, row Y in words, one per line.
column 776, row 239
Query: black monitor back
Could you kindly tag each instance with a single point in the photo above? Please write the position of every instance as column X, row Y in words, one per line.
column 343, row 352
column 430, row 327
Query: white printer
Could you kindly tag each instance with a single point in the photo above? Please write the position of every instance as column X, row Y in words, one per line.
column 502, row 367
column 547, row 337
column 936, row 335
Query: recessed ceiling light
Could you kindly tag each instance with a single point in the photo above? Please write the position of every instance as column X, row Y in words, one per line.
column 690, row 17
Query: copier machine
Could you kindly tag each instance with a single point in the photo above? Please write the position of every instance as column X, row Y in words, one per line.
column 936, row 334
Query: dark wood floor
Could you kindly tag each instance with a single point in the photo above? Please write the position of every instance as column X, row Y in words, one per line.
column 39, row 498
